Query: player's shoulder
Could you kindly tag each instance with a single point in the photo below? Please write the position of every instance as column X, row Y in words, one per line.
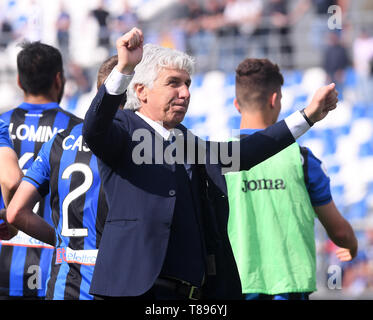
column 312, row 165
column 75, row 129
column 72, row 122
column 307, row 153
column 69, row 114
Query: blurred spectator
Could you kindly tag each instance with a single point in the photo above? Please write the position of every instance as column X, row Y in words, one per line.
column 335, row 60
column 121, row 24
column 362, row 52
column 34, row 20
column 78, row 82
column 357, row 275
column 212, row 28
column 243, row 14
column 187, row 17
column 27, row 23
column 276, row 32
column 102, row 17
column 241, row 19
column 6, row 19
column 367, row 5
column 199, row 24
column 80, row 76
column 211, row 20
column 6, row 35
column 319, row 24
column 170, row 38
column 63, row 31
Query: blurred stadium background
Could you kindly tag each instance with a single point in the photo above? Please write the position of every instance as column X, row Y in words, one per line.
column 311, row 45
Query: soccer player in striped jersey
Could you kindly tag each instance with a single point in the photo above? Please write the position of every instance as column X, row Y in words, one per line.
column 24, row 261
column 67, row 169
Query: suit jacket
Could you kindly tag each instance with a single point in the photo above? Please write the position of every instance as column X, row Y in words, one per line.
column 141, row 200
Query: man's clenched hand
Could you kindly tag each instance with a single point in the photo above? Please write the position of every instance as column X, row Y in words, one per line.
column 130, row 49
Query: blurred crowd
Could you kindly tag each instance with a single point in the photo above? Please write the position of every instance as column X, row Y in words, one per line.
column 219, row 33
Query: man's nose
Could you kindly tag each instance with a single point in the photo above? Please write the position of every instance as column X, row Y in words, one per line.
column 184, row 91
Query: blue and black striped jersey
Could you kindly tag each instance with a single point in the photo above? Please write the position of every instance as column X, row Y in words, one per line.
column 25, row 261
column 67, row 169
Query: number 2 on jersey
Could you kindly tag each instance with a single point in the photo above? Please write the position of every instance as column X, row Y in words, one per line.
column 84, row 187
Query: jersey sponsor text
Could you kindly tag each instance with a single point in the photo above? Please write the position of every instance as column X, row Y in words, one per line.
column 263, row 184
column 31, row 133
column 72, row 143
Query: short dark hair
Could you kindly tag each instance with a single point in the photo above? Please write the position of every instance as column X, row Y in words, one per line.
column 37, row 65
column 105, row 69
column 256, row 79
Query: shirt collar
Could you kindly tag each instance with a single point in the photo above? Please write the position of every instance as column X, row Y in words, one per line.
column 38, row 106
column 157, row 126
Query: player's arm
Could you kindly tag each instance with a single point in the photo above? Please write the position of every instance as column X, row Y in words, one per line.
column 10, row 173
column 34, row 186
column 98, row 131
column 20, row 214
column 10, row 178
column 338, row 229
column 7, row 231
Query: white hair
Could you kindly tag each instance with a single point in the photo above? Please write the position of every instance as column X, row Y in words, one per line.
column 153, row 60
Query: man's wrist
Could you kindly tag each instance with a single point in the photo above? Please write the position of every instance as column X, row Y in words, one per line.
column 297, row 124
column 311, row 123
column 125, row 70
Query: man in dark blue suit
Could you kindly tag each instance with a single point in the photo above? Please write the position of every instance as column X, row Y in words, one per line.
column 165, row 235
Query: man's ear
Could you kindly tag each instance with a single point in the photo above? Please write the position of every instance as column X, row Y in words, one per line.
column 236, row 105
column 59, row 80
column 141, row 92
column 19, row 82
column 272, row 99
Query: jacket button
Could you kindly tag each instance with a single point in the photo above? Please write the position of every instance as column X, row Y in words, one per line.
column 172, row 193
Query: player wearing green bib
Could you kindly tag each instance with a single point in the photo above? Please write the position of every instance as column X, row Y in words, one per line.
column 271, row 226
column 273, row 206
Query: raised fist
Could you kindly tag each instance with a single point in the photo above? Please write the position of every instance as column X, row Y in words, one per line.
column 130, row 49
column 324, row 100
